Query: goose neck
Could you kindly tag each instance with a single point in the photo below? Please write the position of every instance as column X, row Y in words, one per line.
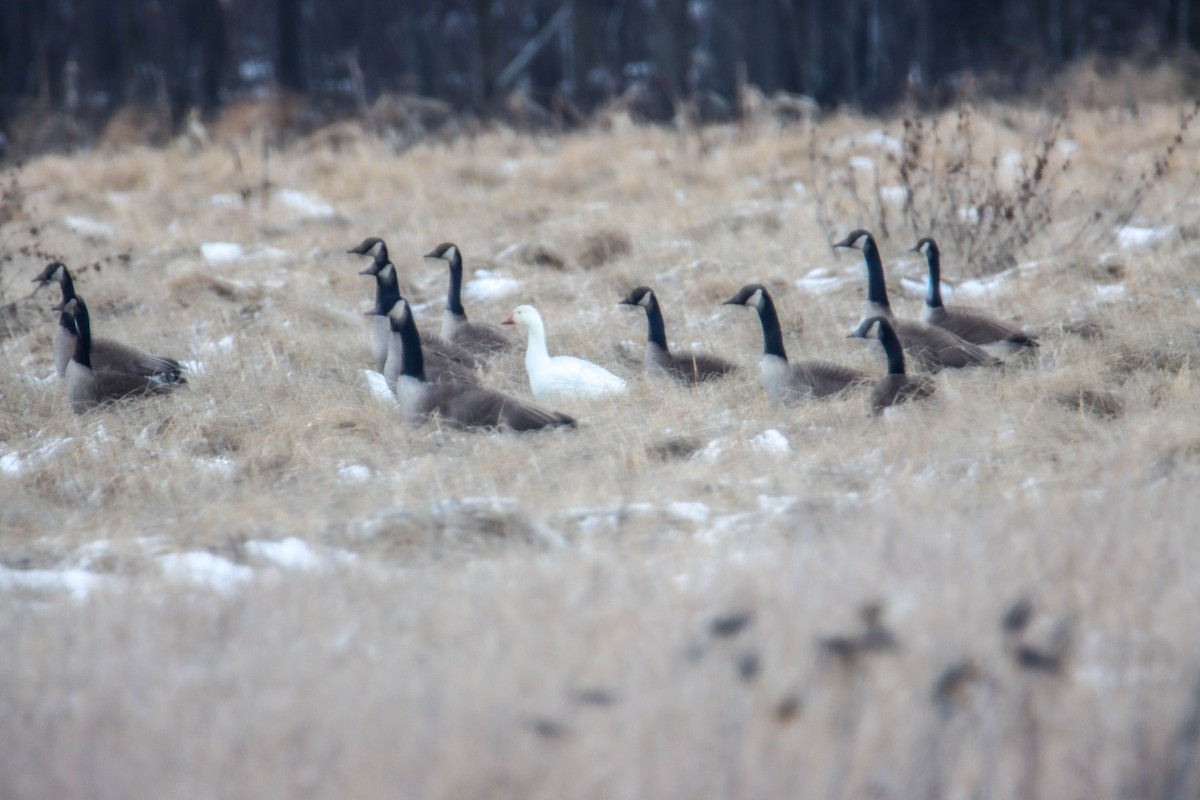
column 891, row 346
column 772, row 332
column 413, row 359
column 657, row 330
column 83, row 335
column 876, row 287
column 934, row 298
column 454, row 297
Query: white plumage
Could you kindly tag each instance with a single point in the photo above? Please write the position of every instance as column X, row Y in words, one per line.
column 560, row 377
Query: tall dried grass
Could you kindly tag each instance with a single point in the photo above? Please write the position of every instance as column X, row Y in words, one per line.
column 548, row 615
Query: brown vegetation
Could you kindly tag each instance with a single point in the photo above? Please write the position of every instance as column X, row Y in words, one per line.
column 693, row 594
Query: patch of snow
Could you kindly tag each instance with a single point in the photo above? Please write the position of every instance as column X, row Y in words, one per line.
column 862, row 163
column 798, row 187
column 218, row 465
column 1012, row 159
column 204, row 569
column 1068, row 147
column 969, row 215
column 79, row 583
column 896, row 195
column 876, row 138
column 90, row 227
column 819, row 281
column 1110, row 293
column 222, row 345
column 306, row 205
column 192, row 367
column 1140, row 236
column 354, row 473
column 378, row 385
column 229, row 252
column 770, row 441
column 14, row 463
column 487, row 285
column 977, row 287
column 289, row 553
column 773, row 504
column 713, row 451
column 689, row 511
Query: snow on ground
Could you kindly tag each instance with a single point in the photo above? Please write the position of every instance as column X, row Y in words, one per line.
column 91, row 228
column 1142, row 236
column 289, row 553
column 378, row 385
column 215, row 253
column 204, row 569
column 14, row 463
column 305, row 204
column 770, row 441
column 488, row 285
column 820, row 281
column 78, row 583
column 353, row 473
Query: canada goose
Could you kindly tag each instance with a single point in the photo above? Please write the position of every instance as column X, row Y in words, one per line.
column 460, row 404
column 478, row 339
column 105, row 353
column 896, row 387
column 387, row 292
column 974, row 325
column 560, row 377
column 933, row 347
column 785, row 382
column 691, row 368
column 88, row 387
column 437, row 366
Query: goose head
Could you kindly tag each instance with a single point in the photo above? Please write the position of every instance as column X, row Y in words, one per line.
column 752, row 294
column 641, row 296
column 52, row 273
column 926, row 247
column 364, row 249
column 525, row 317
column 398, row 312
column 856, row 240
column 385, row 307
column 446, row 251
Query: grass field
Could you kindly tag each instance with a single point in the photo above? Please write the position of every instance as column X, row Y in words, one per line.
column 266, row 585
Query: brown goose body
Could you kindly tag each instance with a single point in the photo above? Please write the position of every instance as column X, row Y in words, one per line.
column 972, row 324
column 478, row 339
column 932, row 347
column 106, row 354
column 89, row 387
column 897, row 386
column 459, row 404
column 662, row 362
column 786, row 382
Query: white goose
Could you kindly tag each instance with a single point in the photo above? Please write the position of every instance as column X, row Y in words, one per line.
column 560, row 377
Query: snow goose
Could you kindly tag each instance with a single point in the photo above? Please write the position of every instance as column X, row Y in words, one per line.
column 787, row 383
column 896, row 387
column 972, row 324
column 560, row 377
column 105, row 353
column 387, row 292
column 459, row 404
column 480, row 340
column 933, row 347
column 89, row 387
column 689, row 367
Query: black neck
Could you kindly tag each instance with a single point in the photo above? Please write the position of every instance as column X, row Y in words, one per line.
column 454, row 298
column 410, row 339
column 934, row 298
column 65, row 320
column 891, row 346
column 876, row 288
column 387, row 288
column 68, row 286
column 658, row 331
column 83, row 331
column 772, row 333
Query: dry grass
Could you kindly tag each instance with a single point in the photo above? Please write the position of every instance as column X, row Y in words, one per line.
column 533, row 616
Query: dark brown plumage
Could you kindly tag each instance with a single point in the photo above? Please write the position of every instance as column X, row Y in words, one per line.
column 660, row 361
column 88, row 387
column 106, row 354
column 972, row 324
column 896, row 387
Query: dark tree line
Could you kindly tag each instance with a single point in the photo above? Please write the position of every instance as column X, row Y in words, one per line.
column 93, row 56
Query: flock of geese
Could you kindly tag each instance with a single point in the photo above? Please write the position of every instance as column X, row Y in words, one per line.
column 440, row 374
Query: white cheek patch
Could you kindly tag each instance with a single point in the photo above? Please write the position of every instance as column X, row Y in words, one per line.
column 645, row 301
column 755, row 299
